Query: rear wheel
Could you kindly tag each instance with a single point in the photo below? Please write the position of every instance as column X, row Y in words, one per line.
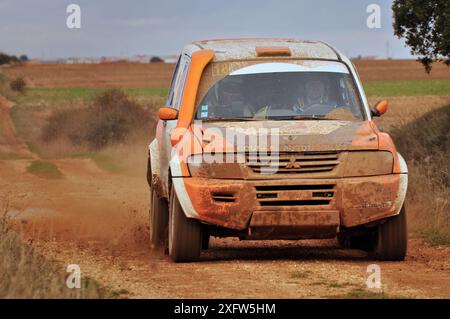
column 392, row 238
column 159, row 216
column 185, row 234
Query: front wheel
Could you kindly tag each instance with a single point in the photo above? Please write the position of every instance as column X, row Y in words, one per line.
column 185, row 234
column 392, row 238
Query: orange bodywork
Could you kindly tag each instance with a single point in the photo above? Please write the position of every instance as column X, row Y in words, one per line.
column 199, row 61
column 385, row 143
column 183, row 132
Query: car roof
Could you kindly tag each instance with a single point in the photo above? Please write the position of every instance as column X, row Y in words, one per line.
column 245, row 49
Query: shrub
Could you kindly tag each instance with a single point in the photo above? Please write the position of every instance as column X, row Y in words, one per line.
column 18, row 85
column 111, row 118
column 156, row 59
column 44, row 169
column 8, row 59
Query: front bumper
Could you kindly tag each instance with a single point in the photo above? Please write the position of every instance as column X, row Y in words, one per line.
column 298, row 203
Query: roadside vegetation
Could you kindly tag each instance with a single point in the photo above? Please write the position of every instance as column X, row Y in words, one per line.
column 82, row 122
column 425, row 144
column 111, row 118
column 26, row 274
column 44, row 169
column 18, row 85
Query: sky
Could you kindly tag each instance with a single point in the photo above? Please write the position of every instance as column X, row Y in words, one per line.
column 126, row 28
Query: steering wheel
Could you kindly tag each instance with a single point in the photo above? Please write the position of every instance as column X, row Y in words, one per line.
column 319, row 109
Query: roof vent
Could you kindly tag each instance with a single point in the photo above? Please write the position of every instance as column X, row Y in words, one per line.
column 273, row 51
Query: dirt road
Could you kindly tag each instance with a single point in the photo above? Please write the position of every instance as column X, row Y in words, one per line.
column 99, row 220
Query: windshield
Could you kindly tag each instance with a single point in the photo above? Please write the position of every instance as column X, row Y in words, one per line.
column 281, row 96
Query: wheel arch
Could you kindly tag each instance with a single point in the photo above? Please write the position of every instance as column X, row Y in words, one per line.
column 403, row 185
column 154, row 169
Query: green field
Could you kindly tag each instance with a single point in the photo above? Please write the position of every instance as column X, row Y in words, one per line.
column 407, row 88
column 372, row 88
column 45, row 96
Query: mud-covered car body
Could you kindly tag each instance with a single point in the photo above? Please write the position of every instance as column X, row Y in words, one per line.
column 333, row 175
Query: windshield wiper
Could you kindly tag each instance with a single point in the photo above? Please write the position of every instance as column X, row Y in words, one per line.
column 311, row 117
column 233, row 119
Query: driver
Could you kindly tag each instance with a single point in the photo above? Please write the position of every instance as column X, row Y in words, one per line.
column 228, row 94
column 314, row 93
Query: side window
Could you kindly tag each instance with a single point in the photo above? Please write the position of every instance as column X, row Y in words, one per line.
column 181, row 81
column 170, row 95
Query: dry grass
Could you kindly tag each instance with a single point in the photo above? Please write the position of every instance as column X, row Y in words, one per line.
column 26, row 274
column 406, row 109
column 425, row 144
column 420, row 127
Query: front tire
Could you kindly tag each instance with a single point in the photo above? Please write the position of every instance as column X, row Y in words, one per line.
column 185, row 234
column 392, row 238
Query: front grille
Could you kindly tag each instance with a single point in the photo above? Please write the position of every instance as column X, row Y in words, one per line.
column 294, row 202
column 293, row 163
column 295, row 195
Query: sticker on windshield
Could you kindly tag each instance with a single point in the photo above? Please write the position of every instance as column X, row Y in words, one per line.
column 204, row 114
column 204, row 107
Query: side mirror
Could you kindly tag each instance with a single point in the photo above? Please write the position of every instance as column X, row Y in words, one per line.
column 380, row 108
column 168, row 113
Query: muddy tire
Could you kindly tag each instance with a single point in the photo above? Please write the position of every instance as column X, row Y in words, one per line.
column 392, row 238
column 185, row 234
column 159, row 220
column 205, row 240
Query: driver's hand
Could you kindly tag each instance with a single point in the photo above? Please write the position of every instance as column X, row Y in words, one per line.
column 298, row 109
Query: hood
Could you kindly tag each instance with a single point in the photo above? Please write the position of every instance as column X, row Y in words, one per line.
column 290, row 136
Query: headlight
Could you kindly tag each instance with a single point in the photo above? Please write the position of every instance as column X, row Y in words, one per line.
column 210, row 166
column 365, row 163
